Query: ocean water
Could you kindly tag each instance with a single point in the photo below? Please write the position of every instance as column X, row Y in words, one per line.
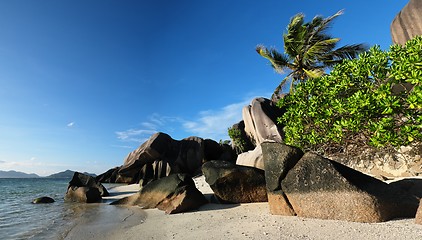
column 20, row 219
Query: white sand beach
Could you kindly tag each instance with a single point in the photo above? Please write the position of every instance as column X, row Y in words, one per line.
column 227, row 221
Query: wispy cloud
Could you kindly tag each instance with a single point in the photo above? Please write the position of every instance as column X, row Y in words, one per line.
column 208, row 124
column 71, row 124
column 155, row 123
column 214, row 123
column 134, row 135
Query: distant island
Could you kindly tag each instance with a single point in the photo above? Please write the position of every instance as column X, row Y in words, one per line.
column 15, row 174
column 68, row 174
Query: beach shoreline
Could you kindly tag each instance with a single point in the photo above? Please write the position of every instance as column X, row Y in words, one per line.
column 228, row 221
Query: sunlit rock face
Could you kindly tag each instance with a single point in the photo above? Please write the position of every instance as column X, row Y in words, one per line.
column 260, row 119
column 309, row 185
column 408, row 22
column 161, row 156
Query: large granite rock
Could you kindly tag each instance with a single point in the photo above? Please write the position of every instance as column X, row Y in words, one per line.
column 278, row 160
column 173, row 194
column 235, row 184
column 418, row 218
column 110, row 176
column 408, row 22
column 260, row 118
column 184, row 156
column 85, row 189
column 153, row 171
column 251, row 158
column 83, row 194
column 317, row 187
column 82, row 180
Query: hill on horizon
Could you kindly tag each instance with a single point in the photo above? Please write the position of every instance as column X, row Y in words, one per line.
column 68, row 174
column 16, row 174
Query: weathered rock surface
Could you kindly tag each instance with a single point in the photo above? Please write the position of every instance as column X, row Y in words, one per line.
column 43, row 200
column 278, row 160
column 110, row 176
column 408, row 22
column 418, row 218
column 260, row 118
column 153, row 171
column 251, row 158
column 235, row 184
column 173, row 194
column 184, row 156
column 82, row 180
column 83, row 194
column 317, row 187
column 382, row 163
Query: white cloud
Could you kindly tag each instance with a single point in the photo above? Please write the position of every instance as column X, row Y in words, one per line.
column 208, row 124
column 134, row 135
column 155, row 123
column 214, row 123
column 71, row 124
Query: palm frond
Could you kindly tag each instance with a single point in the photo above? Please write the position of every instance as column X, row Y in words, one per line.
column 314, row 73
column 326, row 23
column 278, row 61
column 319, row 49
column 318, row 27
column 345, row 52
column 293, row 39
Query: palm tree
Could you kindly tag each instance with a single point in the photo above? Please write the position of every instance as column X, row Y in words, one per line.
column 309, row 51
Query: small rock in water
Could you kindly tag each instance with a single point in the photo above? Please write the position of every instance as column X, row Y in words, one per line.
column 43, row 200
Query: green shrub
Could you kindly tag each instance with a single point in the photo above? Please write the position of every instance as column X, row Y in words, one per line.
column 356, row 103
column 239, row 144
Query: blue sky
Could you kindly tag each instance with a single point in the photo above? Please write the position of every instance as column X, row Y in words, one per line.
column 83, row 83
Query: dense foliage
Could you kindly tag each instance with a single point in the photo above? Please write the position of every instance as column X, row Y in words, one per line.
column 308, row 50
column 239, row 143
column 375, row 99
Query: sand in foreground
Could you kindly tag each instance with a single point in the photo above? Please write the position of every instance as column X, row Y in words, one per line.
column 232, row 221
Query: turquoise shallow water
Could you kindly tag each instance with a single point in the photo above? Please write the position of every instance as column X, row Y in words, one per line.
column 20, row 219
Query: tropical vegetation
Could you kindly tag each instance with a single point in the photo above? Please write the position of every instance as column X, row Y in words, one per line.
column 239, row 143
column 374, row 100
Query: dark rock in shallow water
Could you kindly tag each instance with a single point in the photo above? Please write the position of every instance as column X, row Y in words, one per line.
column 85, row 189
column 173, row 194
column 43, row 200
column 83, row 194
column 82, row 180
column 235, row 184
